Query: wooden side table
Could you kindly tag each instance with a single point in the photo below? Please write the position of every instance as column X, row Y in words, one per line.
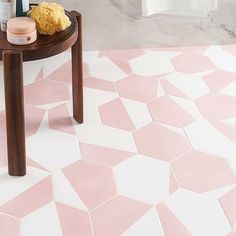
column 13, row 58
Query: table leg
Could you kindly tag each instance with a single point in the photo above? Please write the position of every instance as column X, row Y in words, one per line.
column 15, row 121
column 77, row 73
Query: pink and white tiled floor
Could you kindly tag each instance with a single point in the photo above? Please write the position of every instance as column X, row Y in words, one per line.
column 155, row 156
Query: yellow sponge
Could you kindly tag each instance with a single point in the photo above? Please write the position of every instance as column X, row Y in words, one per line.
column 50, row 18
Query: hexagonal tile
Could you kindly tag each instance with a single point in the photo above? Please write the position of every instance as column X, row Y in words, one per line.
column 53, row 149
column 117, row 215
column 166, row 110
column 156, row 63
column 114, row 114
column 219, row 79
column 138, row 88
column 105, row 69
column 160, row 142
column 217, row 106
column 151, row 187
column 93, row 183
column 45, row 91
column 197, row 172
column 192, row 63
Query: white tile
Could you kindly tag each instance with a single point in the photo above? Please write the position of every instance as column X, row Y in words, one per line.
column 152, row 64
column 202, row 216
column 205, row 138
column 222, row 59
column 43, row 221
column 52, row 149
column 138, row 112
column 31, row 71
column 105, row 136
column 104, row 68
column 142, row 178
column 160, row 90
column 192, row 85
column 90, row 56
column 149, row 224
column 218, row 193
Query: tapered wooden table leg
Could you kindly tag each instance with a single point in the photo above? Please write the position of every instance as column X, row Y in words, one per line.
column 77, row 73
column 14, row 100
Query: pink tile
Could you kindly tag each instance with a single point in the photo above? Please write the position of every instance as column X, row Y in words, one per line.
column 59, row 119
column 32, row 199
column 171, row 89
column 3, row 151
column 114, row 114
column 93, row 183
column 226, row 129
column 167, row 111
column 160, row 142
column 228, row 204
column 192, row 63
column 138, row 88
column 116, row 216
column 33, row 119
column 124, row 65
column 45, row 91
column 219, row 79
column 62, row 74
column 73, row 221
column 99, row 84
column 201, row 172
column 173, row 182
column 225, row 108
column 40, row 75
column 172, row 226
column 124, row 54
column 103, row 155
column 233, row 233
column 9, row 226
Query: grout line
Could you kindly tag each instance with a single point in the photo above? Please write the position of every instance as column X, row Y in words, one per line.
column 108, row 200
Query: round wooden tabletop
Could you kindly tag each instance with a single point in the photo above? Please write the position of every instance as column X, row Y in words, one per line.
column 46, row 45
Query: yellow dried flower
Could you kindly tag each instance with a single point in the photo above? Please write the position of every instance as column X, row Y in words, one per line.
column 50, row 18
